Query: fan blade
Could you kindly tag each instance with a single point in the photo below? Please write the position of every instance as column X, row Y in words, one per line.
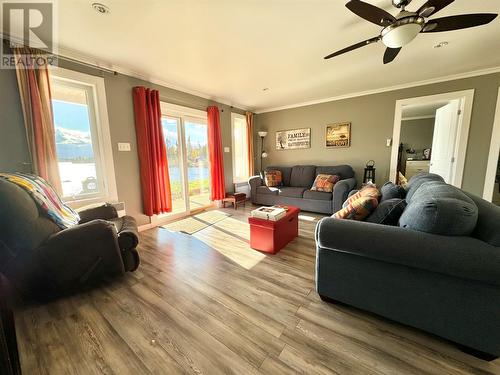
column 390, row 54
column 432, row 7
column 462, row 21
column 370, row 12
column 353, row 47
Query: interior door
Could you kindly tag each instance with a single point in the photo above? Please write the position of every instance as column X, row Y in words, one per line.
column 444, row 139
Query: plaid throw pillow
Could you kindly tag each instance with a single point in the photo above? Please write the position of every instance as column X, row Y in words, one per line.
column 325, row 182
column 369, row 190
column 358, row 209
column 272, row 178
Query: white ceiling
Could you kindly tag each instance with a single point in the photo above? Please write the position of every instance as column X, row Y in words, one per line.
column 231, row 49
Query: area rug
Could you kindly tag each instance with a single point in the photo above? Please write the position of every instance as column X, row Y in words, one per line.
column 197, row 222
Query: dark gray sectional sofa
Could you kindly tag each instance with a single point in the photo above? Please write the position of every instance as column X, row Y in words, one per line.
column 297, row 182
column 448, row 285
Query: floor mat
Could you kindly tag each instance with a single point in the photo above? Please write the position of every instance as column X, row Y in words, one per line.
column 197, row 222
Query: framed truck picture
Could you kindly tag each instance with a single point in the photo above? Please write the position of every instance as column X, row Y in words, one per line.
column 338, row 135
column 293, row 139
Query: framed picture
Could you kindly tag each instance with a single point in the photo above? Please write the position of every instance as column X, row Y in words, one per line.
column 293, row 139
column 338, row 135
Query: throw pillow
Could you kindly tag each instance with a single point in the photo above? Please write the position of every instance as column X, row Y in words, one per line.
column 402, row 180
column 358, row 209
column 369, row 190
column 388, row 212
column 389, row 190
column 273, row 178
column 325, row 182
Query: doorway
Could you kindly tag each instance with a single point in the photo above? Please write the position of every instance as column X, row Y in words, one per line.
column 431, row 135
column 491, row 190
column 186, row 138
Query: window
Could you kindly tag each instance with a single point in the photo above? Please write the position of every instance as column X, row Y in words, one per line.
column 83, row 144
column 240, row 148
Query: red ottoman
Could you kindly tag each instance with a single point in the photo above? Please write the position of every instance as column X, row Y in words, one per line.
column 271, row 236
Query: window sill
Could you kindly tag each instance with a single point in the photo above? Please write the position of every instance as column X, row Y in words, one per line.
column 79, row 203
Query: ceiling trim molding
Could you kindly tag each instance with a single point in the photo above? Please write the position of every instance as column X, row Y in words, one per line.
column 72, row 54
column 98, row 64
column 431, row 81
column 417, row 117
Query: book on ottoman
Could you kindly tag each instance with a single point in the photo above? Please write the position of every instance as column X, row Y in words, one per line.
column 269, row 213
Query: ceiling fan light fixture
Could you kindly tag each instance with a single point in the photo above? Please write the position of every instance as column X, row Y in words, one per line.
column 402, row 32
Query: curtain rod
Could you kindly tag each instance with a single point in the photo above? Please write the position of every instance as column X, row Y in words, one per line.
column 199, row 107
column 84, row 63
column 8, row 40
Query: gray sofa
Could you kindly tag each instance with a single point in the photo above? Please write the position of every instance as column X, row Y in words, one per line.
column 297, row 182
column 446, row 285
column 42, row 261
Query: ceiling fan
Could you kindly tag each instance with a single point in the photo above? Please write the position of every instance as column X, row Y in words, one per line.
column 401, row 29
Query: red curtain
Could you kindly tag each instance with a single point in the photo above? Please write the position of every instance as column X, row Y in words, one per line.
column 155, row 181
column 218, row 189
column 34, row 90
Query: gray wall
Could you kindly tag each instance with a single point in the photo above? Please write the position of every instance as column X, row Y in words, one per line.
column 417, row 134
column 13, row 147
column 372, row 118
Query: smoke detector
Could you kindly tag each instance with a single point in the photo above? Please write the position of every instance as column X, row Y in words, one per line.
column 101, row 8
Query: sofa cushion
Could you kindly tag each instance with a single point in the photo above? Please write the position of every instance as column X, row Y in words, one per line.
column 292, row 192
column 318, row 195
column 272, row 178
column 325, row 182
column 303, row 176
column 390, row 190
column 344, row 171
column 286, row 172
column 388, row 212
column 417, row 180
column 439, row 208
column 267, row 190
column 357, row 209
column 487, row 227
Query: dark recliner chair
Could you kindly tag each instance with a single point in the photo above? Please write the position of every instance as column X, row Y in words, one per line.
column 41, row 260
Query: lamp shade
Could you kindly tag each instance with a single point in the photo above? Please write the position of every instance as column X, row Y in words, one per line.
column 262, row 134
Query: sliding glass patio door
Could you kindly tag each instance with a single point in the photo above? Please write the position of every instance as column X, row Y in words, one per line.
column 186, row 140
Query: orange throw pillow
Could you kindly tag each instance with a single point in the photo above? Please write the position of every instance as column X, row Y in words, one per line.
column 325, row 182
column 369, row 190
column 358, row 209
column 272, row 178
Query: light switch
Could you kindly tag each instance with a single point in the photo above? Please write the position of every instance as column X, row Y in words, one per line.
column 123, row 146
column 226, row 149
column 389, row 142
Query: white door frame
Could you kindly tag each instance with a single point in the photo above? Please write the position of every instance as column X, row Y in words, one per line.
column 467, row 99
column 489, row 181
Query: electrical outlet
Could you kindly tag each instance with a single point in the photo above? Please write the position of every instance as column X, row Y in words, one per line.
column 389, row 142
column 226, row 149
column 123, row 146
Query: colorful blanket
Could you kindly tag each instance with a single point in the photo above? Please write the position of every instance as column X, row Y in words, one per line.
column 45, row 197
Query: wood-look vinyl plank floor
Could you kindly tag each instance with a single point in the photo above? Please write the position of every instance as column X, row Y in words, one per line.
column 208, row 304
